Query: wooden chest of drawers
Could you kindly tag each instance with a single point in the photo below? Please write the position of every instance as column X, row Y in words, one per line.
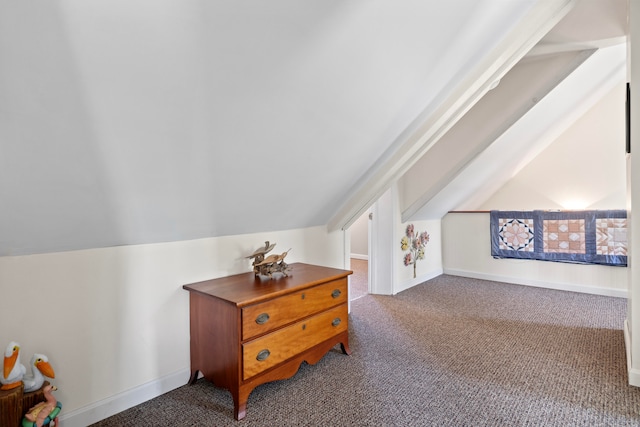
column 246, row 331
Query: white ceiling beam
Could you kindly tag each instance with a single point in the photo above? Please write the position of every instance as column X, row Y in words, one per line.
column 552, row 48
column 502, row 107
column 429, row 126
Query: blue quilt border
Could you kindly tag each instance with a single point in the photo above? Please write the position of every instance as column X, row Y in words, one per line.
column 589, row 257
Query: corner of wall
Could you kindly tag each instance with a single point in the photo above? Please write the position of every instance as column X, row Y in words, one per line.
column 403, row 286
column 633, row 374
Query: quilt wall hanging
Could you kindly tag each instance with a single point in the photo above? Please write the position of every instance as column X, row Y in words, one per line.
column 586, row 237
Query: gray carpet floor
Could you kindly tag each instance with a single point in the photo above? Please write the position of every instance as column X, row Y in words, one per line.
column 449, row 352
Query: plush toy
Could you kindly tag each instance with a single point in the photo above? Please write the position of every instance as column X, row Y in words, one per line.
column 40, row 368
column 44, row 412
column 12, row 369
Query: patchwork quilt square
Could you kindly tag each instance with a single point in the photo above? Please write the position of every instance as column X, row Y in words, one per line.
column 564, row 236
column 516, row 234
column 611, row 236
column 588, row 237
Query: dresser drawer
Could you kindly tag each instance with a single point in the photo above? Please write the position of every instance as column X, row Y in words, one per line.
column 261, row 318
column 267, row 351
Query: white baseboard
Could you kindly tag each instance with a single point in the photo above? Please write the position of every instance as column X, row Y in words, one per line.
column 360, row 256
column 420, row 279
column 595, row 290
column 107, row 407
column 633, row 374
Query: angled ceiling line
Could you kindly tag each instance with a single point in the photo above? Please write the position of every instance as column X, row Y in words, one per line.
column 558, row 111
column 425, row 131
column 550, row 48
column 479, row 148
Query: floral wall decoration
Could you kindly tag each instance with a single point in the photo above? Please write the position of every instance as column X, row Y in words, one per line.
column 414, row 242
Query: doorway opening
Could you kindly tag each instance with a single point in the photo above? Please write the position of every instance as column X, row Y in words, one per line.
column 359, row 278
column 359, row 256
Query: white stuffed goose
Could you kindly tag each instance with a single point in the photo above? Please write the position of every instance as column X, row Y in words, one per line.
column 12, row 369
column 40, row 368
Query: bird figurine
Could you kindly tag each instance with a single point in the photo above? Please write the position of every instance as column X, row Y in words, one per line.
column 12, row 370
column 40, row 368
column 44, row 412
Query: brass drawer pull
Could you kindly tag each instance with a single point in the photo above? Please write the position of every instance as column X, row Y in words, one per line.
column 262, row 319
column 336, row 293
column 262, row 355
column 336, row 321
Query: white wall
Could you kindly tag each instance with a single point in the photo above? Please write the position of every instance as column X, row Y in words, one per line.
column 583, row 169
column 467, row 252
column 388, row 274
column 114, row 322
column 632, row 325
column 427, row 268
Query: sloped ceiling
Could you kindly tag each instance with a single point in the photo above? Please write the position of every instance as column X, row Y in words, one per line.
column 518, row 91
column 125, row 122
column 468, row 87
column 567, row 72
column 468, row 187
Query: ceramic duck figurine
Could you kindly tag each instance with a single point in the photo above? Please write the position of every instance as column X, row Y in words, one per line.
column 12, row 370
column 43, row 412
column 40, row 368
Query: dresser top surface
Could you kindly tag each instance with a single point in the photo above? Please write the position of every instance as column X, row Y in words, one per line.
column 245, row 288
